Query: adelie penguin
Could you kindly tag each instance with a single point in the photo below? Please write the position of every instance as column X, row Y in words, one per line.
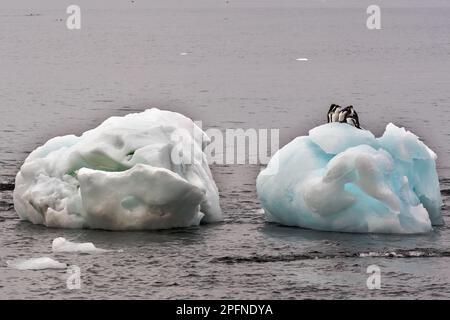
column 350, row 116
column 333, row 113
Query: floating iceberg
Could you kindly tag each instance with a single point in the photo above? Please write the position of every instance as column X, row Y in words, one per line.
column 340, row 178
column 62, row 245
column 141, row 171
column 36, row 264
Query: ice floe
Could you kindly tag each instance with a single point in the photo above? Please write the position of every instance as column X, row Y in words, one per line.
column 340, row 178
column 141, row 171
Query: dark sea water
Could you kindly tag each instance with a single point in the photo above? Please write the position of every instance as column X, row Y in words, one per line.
column 240, row 71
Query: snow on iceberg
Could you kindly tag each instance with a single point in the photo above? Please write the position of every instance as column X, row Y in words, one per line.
column 340, row 178
column 62, row 245
column 141, row 171
column 36, row 264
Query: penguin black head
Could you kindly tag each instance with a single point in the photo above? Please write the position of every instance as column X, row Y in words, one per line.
column 333, row 107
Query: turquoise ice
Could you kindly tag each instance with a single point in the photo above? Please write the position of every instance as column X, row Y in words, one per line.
column 340, row 178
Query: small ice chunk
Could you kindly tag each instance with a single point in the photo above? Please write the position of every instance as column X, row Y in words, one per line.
column 36, row 264
column 62, row 245
column 302, row 59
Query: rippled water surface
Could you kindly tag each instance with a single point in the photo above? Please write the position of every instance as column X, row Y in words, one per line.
column 240, row 71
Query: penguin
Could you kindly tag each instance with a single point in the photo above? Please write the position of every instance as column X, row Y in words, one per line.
column 333, row 113
column 353, row 117
column 350, row 116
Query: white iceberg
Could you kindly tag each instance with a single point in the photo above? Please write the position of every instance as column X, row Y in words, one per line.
column 36, row 264
column 340, row 178
column 62, row 245
column 141, row 171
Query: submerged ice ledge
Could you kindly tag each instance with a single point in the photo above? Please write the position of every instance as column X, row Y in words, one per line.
column 340, row 178
column 121, row 175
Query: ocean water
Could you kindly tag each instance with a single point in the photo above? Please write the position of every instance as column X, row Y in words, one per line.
column 230, row 64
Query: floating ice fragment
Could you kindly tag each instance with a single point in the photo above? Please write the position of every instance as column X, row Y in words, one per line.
column 62, row 245
column 36, row 264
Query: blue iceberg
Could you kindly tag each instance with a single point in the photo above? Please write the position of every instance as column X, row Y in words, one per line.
column 340, row 178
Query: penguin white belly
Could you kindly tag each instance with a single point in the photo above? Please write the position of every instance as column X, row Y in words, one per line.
column 335, row 115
